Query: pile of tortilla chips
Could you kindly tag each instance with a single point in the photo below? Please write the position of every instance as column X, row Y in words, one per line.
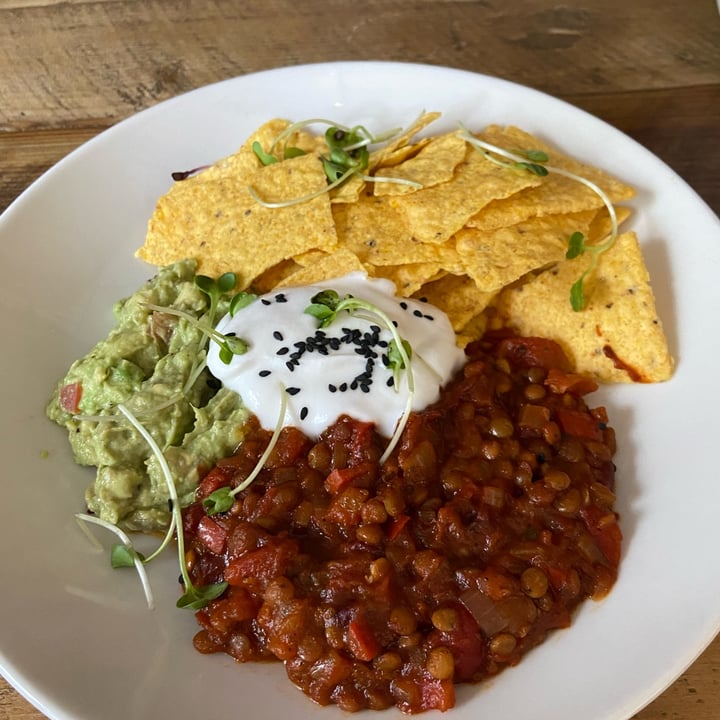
column 484, row 242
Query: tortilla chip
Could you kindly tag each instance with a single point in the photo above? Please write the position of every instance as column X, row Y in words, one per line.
column 498, row 258
column 404, row 153
column 408, row 278
column 618, row 337
column 457, row 296
column 556, row 194
column 274, row 275
column 324, row 265
column 377, row 232
column 436, row 213
column 434, row 164
column 224, row 228
column 401, row 140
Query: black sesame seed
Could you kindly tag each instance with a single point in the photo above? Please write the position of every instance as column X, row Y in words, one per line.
column 417, row 313
column 343, row 387
column 429, row 317
column 290, row 365
column 390, row 381
column 264, row 373
column 278, row 335
column 283, row 351
column 265, row 301
column 303, row 413
column 281, row 298
column 292, row 390
column 332, row 388
column 404, row 305
column 231, row 334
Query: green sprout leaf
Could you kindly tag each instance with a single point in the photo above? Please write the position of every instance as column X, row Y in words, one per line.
column 534, row 168
column 226, row 283
column 536, row 156
column 241, row 300
column 577, row 296
column 219, row 501
column 265, row 158
column 293, row 152
column 576, row 245
column 195, row 598
column 124, row 556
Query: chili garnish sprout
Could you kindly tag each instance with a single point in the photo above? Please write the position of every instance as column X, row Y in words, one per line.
column 348, row 156
column 194, row 597
column 123, row 555
column 535, row 161
column 326, row 305
column 222, row 499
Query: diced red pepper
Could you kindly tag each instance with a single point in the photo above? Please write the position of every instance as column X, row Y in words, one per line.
column 396, row 525
column 437, row 694
column 579, row 424
column 219, row 476
column 341, row 478
column 576, row 384
column 361, row 640
column 70, row 396
column 262, row 564
column 212, row 535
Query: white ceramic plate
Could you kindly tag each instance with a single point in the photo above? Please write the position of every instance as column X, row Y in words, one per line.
column 76, row 638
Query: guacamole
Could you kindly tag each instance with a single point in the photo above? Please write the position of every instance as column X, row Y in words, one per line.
column 153, row 363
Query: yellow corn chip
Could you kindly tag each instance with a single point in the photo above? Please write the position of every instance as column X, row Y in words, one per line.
column 221, row 225
column 555, row 194
column 324, row 266
column 498, row 258
column 434, row 164
column 436, row 213
column 618, row 337
column 457, row 296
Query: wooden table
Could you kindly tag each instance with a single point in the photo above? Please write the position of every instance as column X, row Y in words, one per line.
column 651, row 67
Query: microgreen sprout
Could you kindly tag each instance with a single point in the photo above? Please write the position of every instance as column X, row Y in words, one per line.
column 123, row 554
column 194, row 597
column 535, row 161
column 326, row 305
column 222, row 499
column 348, row 155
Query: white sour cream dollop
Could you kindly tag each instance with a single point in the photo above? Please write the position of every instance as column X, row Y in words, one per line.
column 339, row 369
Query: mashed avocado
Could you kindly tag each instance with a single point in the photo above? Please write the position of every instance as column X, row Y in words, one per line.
column 148, row 362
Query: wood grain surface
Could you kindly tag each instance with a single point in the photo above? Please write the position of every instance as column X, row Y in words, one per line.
column 72, row 68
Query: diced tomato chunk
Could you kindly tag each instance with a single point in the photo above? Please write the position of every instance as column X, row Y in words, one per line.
column 361, row 640
column 437, row 694
column 212, row 534
column 262, row 564
column 579, row 424
column 341, row 478
column 567, row 382
column 525, row 352
column 396, row 526
column 70, row 396
column 219, row 476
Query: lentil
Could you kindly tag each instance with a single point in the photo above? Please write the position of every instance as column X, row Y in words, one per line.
column 387, row 585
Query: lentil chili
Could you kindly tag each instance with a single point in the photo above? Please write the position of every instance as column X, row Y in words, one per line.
column 386, row 585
